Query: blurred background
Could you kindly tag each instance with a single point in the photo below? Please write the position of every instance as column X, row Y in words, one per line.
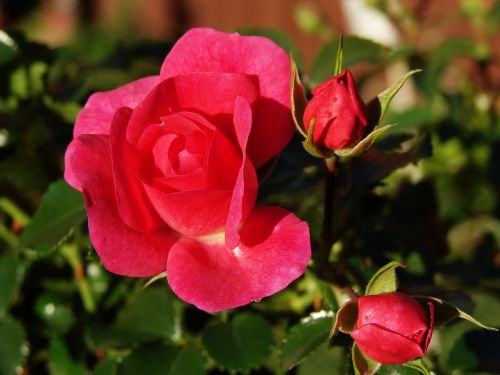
column 434, row 204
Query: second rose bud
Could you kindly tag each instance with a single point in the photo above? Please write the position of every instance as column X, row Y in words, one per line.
column 338, row 113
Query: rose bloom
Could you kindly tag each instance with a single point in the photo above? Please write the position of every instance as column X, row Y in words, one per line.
column 167, row 166
column 338, row 112
column 393, row 328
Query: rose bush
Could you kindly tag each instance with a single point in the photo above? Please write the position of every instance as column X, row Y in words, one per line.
column 393, row 328
column 339, row 114
column 167, row 166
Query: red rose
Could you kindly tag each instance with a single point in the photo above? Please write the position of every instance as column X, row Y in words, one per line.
column 393, row 328
column 339, row 114
column 167, row 166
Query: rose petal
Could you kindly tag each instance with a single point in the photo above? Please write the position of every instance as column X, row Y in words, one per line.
column 193, row 213
column 97, row 114
column 245, row 188
column 122, row 250
column 209, row 94
column 274, row 250
column 134, row 204
column 385, row 346
column 207, row 50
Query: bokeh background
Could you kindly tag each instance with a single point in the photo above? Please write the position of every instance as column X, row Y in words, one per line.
column 434, row 204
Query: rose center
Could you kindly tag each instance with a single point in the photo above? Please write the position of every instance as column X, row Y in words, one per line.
column 178, row 154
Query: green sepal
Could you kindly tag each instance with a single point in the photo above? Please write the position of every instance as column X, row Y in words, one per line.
column 444, row 312
column 361, row 364
column 381, row 102
column 418, row 365
column 345, row 319
column 340, row 53
column 298, row 99
column 364, row 144
column 154, row 279
column 384, row 280
column 311, row 147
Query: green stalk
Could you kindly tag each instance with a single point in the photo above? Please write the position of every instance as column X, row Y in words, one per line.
column 11, row 209
column 71, row 253
column 8, row 236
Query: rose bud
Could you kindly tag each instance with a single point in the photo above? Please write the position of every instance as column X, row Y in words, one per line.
column 339, row 114
column 393, row 328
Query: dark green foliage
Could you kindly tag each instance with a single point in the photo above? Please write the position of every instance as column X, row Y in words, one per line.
column 426, row 195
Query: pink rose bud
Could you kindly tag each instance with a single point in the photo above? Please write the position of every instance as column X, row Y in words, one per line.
column 339, row 113
column 393, row 328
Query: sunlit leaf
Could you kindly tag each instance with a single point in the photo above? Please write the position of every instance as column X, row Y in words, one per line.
column 304, row 338
column 61, row 210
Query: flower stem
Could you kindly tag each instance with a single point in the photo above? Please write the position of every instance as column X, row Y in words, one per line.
column 70, row 252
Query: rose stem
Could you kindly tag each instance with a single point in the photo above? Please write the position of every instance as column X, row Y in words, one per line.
column 70, row 252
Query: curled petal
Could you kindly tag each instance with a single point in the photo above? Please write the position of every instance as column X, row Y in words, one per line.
column 245, row 188
column 122, row 250
column 274, row 250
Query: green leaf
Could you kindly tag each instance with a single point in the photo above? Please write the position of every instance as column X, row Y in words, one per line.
column 243, row 344
column 384, row 280
column 60, row 361
column 325, row 361
column 362, row 364
column 189, row 361
column 418, row 365
column 355, row 50
column 444, row 312
column 382, row 101
column 61, row 210
column 364, row 144
column 106, row 367
column 304, row 338
column 149, row 316
column 12, row 346
column 148, row 359
column 454, row 353
column 11, row 275
column 397, row 370
column 8, row 48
